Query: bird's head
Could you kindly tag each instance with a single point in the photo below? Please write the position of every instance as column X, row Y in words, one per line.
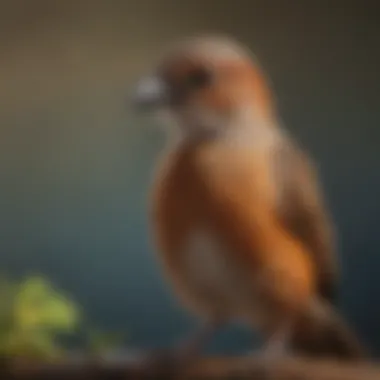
column 207, row 84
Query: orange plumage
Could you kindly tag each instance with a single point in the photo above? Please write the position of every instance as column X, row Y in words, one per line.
column 239, row 222
column 224, row 193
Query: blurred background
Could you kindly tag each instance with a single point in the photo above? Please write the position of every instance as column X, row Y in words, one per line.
column 76, row 163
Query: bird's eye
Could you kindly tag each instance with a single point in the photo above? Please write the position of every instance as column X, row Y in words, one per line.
column 199, row 78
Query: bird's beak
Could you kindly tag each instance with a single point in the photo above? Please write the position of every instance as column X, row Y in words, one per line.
column 150, row 93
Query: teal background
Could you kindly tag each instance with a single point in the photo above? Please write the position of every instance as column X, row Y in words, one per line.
column 75, row 162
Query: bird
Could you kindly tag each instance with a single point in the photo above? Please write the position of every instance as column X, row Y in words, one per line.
column 238, row 213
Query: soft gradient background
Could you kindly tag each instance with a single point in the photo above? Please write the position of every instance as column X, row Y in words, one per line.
column 75, row 163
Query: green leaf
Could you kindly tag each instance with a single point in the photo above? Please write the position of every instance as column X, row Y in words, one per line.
column 7, row 291
column 38, row 304
column 32, row 315
column 30, row 344
column 99, row 341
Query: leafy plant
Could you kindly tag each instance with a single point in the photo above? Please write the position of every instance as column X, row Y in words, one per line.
column 99, row 341
column 32, row 315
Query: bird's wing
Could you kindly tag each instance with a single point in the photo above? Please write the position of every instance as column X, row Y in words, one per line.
column 302, row 209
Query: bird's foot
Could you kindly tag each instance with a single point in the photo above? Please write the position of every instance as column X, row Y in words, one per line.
column 275, row 350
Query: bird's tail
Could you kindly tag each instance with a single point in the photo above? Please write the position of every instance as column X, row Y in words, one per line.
column 322, row 332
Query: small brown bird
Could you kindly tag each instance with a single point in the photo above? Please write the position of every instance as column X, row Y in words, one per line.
column 239, row 220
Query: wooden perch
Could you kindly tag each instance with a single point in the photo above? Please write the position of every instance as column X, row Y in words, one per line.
column 207, row 368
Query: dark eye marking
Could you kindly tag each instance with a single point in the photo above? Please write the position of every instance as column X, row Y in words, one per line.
column 198, row 78
column 182, row 81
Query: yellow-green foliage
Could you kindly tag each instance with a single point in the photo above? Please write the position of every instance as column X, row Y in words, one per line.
column 32, row 314
column 99, row 341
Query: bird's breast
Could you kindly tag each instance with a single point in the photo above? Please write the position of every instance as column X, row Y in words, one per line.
column 201, row 247
column 207, row 262
column 213, row 277
column 207, row 187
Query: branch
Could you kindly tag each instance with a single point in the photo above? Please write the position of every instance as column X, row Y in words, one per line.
column 207, row 368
